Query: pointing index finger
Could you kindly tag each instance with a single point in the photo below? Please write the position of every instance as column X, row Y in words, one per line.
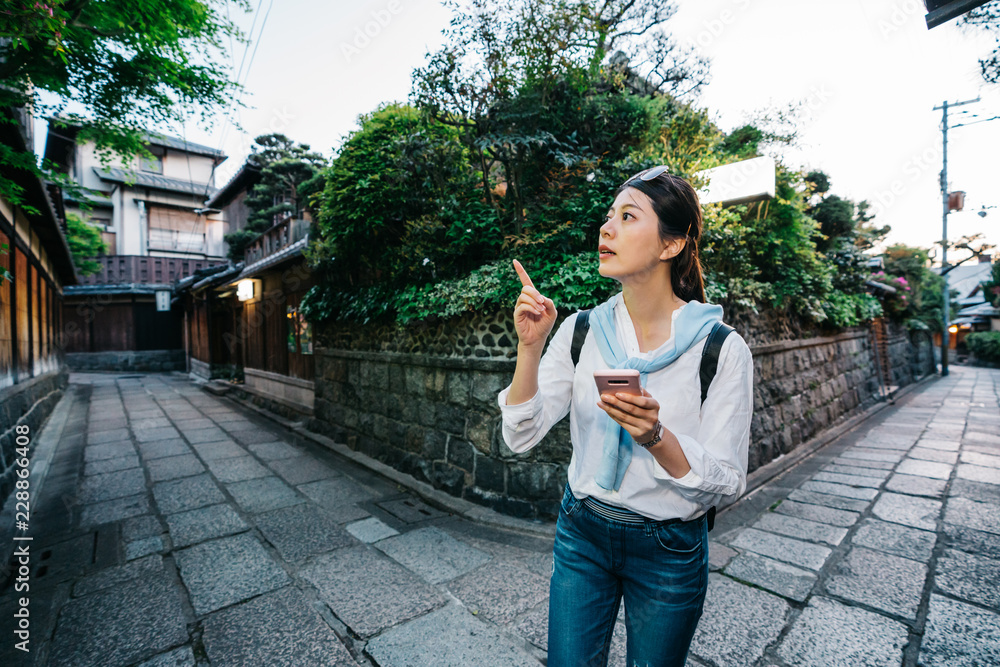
column 522, row 274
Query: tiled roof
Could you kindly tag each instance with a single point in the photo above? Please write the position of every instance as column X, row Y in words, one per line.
column 155, row 181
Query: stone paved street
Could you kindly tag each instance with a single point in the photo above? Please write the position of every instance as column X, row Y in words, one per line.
column 174, row 527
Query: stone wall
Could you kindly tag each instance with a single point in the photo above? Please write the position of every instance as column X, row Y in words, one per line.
column 138, row 361
column 434, row 415
column 25, row 404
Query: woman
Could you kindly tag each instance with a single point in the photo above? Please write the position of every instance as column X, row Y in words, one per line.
column 645, row 469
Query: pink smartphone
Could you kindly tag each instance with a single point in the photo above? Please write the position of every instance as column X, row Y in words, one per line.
column 614, row 381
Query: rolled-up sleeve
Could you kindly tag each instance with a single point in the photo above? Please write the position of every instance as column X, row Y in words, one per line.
column 525, row 424
column 718, row 453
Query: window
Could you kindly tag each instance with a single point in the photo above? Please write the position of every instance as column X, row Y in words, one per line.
column 153, row 164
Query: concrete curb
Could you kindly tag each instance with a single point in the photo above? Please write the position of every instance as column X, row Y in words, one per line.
column 493, row 519
column 46, row 441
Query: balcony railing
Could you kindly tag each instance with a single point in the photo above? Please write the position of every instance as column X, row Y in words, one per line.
column 119, row 269
column 280, row 236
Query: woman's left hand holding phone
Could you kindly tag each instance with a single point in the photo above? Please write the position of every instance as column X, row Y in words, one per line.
column 636, row 414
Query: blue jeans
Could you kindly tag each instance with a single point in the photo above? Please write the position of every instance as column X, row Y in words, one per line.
column 661, row 570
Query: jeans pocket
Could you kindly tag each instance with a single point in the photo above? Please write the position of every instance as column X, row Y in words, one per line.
column 570, row 504
column 681, row 539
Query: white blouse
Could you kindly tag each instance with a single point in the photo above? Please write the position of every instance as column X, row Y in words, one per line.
column 715, row 437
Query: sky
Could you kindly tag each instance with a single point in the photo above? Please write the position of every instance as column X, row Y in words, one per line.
column 866, row 77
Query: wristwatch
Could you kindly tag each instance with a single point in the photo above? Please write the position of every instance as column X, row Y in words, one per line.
column 657, row 431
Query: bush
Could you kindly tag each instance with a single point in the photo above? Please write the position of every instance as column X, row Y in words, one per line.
column 985, row 346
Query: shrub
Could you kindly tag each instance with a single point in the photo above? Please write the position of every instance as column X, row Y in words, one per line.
column 985, row 346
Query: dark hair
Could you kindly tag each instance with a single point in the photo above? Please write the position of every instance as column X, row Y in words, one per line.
column 679, row 212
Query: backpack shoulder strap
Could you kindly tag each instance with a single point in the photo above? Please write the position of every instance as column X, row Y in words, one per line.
column 579, row 334
column 710, row 355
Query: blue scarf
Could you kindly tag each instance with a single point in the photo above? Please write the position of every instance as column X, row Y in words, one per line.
column 691, row 324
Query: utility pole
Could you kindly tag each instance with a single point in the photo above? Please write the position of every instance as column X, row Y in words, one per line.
column 944, row 233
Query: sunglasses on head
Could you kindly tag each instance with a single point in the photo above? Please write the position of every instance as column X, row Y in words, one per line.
column 647, row 174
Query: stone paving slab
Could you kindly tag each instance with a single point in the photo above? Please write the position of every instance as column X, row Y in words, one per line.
column 252, row 436
column 179, row 657
column 163, row 448
column 154, row 434
column 976, row 473
column 978, row 491
column 107, row 437
column 873, row 473
column 275, row 451
column 829, row 515
column 500, row 591
column 848, row 480
column 880, row 580
column 143, row 616
column 908, row 510
column 972, row 578
column 865, row 464
column 174, row 467
column 368, row 591
column 896, row 539
column 228, row 570
column 186, row 493
column 973, row 541
column 917, row 486
column 302, row 469
column 111, row 450
column 972, row 514
column 828, row 500
column 301, row 531
column 872, row 455
column 141, row 527
column 213, row 434
column 113, row 510
column 803, row 529
column 150, row 566
column 738, row 624
column 857, row 493
column 370, row 530
column 931, row 469
column 219, row 450
column 942, row 445
column 833, row 634
column 198, row 525
column 959, row 635
column 772, row 575
column 719, row 555
column 796, row 552
column 263, row 494
column 930, row 454
column 448, row 636
column 107, row 486
column 433, row 554
column 144, row 547
column 986, row 460
column 237, row 469
column 339, row 495
column 279, row 628
column 110, row 465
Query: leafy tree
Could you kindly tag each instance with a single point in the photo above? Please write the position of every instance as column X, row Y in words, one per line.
column 125, row 63
column 84, row 243
column 911, row 266
column 986, row 18
column 289, row 177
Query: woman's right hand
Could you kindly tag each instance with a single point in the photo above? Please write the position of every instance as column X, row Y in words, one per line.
column 534, row 314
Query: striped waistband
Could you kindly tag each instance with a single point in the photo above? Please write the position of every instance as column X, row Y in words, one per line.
column 613, row 513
